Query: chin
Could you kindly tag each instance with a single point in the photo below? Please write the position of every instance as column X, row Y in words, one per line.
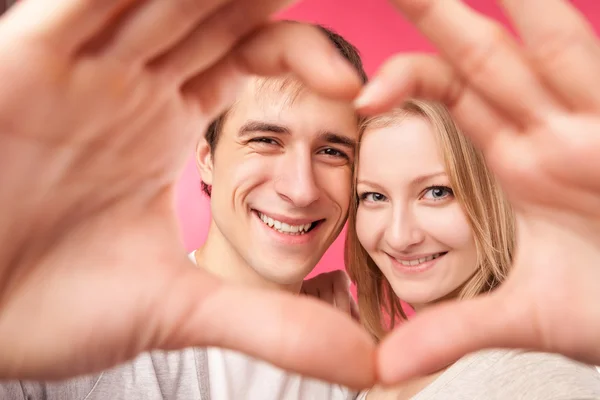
column 287, row 279
column 288, row 275
column 417, row 300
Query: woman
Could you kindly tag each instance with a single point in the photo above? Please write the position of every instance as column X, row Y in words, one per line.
column 429, row 223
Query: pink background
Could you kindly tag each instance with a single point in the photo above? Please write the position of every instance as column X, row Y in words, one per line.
column 378, row 31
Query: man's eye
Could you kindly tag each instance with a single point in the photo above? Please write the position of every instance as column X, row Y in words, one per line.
column 334, row 153
column 264, row 140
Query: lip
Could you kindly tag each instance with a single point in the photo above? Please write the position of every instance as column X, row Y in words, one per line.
column 285, row 239
column 287, row 220
column 414, row 269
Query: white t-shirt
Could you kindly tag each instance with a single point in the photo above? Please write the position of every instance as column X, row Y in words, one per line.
column 235, row 376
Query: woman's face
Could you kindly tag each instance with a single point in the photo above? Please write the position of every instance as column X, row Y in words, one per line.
column 408, row 219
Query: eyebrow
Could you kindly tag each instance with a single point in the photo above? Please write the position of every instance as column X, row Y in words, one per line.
column 258, row 126
column 415, row 182
column 425, row 178
column 329, row 137
column 335, row 138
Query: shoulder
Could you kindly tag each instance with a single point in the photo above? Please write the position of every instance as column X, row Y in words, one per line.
column 146, row 376
column 535, row 375
column 70, row 389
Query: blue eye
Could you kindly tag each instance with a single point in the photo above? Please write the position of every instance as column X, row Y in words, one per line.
column 372, row 197
column 437, row 193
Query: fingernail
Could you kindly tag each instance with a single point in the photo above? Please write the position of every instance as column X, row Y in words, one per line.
column 368, row 95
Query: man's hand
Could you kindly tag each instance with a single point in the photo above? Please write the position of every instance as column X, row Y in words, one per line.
column 534, row 110
column 101, row 103
column 334, row 288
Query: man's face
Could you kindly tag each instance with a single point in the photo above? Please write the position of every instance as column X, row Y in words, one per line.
column 281, row 177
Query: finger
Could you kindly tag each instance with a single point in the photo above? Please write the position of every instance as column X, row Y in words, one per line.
column 564, row 47
column 66, row 24
column 484, row 54
column 438, row 337
column 292, row 332
column 277, row 49
column 156, row 25
column 428, row 77
column 216, row 36
column 305, row 51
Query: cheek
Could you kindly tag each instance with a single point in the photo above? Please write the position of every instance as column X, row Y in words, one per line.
column 368, row 229
column 241, row 173
column 449, row 226
column 335, row 183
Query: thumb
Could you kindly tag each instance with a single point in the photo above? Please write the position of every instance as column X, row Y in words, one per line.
column 296, row 333
column 437, row 337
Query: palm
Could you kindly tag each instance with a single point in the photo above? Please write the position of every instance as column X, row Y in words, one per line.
column 96, row 271
column 552, row 177
column 115, row 245
column 551, row 167
column 109, row 289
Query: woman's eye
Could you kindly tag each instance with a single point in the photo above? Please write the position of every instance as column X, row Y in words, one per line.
column 437, row 193
column 372, row 197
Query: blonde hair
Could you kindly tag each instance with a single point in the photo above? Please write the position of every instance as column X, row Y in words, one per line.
column 481, row 198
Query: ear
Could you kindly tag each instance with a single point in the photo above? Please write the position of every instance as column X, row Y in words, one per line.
column 204, row 161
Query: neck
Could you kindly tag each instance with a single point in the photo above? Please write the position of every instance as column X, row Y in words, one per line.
column 218, row 257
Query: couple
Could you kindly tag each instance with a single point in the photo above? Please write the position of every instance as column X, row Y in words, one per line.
column 96, row 128
column 427, row 223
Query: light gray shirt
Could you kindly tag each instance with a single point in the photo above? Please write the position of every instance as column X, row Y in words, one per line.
column 513, row 375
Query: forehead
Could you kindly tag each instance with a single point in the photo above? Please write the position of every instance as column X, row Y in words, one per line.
column 404, row 149
column 287, row 102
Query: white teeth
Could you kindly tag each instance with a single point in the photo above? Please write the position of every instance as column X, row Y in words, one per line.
column 283, row 227
column 419, row 261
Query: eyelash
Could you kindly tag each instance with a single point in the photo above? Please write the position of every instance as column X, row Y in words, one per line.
column 446, row 189
column 363, row 197
column 270, row 141
column 339, row 153
column 263, row 140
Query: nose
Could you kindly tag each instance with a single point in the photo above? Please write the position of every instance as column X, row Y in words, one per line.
column 404, row 230
column 296, row 181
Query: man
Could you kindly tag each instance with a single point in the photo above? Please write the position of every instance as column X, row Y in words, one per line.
column 279, row 165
